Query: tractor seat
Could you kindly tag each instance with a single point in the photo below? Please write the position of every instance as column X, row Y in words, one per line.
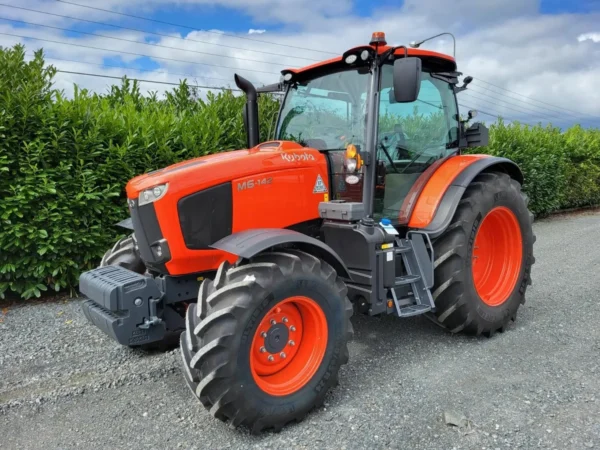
column 319, row 144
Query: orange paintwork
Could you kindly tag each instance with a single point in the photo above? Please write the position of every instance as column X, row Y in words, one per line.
column 289, row 198
column 415, row 191
column 497, row 256
column 286, row 200
column 380, row 49
column 294, row 364
column 436, row 187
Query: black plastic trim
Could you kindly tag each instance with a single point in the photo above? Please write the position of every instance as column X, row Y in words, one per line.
column 455, row 191
column 127, row 224
column 206, row 216
column 249, row 243
column 445, row 211
column 148, row 234
column 470, row 172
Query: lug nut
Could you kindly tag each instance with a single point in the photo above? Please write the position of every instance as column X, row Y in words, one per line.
column 273, row 321
column 285, row 320
column 270, row 358
column 292, row 328
column 283, row 355
column 263, row 350
column 291, row 343
column 263, row 334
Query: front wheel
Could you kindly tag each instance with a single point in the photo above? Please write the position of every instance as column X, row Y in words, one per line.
column 483, row 260
column 265, row 341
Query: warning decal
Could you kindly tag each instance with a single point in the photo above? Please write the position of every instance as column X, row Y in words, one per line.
column 320, row 187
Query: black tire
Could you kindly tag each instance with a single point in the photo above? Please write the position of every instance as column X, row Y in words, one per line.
column 124, row 253
column 459, row 308
column 216, row 345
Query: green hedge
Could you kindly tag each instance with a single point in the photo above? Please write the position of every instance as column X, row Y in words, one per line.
column 64, row 164
column 562, row 169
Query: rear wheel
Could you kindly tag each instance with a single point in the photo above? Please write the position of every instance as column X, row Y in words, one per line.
column 484, row 258
column 265, row 341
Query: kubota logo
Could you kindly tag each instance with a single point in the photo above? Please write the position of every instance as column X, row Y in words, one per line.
column 291, row 157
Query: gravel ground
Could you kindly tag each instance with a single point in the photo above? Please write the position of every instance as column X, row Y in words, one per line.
column 63, row 384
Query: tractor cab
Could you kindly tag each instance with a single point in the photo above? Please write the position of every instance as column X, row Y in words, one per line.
column 383, row 115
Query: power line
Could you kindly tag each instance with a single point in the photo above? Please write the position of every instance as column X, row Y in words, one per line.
column 192, row 28
column 522, row 108
column 270, row 42
column 240, row 37
column 527, row 103
column 135, row 54
column 496, row 116
column 145, row 81
column 473, row 97
column 154, row 33
column 531, row 98
column 110, row 66
column 143, row 43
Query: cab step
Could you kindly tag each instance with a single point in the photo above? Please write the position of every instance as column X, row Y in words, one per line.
column 406, row 279
column 413, row 310
column 418, row 264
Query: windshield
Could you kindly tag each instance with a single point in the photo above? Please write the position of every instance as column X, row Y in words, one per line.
column 327, row 112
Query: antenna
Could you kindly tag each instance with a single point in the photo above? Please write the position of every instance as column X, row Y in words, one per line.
column 417, row 44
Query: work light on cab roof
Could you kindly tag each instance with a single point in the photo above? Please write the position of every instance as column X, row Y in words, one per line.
column 361, row 202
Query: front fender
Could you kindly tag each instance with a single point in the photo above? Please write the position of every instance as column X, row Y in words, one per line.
column 249, row 243
column 439, row 198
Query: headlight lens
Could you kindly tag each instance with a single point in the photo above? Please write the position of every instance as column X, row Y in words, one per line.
column 351, row 165
column 153, row 194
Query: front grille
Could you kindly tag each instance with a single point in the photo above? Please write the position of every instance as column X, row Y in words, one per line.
column 206, row 216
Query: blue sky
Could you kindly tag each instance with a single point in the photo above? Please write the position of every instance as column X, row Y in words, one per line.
column 532, row 60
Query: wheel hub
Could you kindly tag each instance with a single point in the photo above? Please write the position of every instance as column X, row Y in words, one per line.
column 497, row 254
column 277, row 338
column 288, row 346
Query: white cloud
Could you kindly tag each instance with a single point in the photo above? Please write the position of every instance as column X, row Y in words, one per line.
column 595, row 37
column 253, row 31
column 553, row 58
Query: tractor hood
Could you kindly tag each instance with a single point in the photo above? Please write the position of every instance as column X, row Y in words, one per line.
column 206, row 171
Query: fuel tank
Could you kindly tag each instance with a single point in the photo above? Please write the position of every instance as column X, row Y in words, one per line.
column 179, row 211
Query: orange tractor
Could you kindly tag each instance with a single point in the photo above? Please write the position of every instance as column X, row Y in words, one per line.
column 363, row 203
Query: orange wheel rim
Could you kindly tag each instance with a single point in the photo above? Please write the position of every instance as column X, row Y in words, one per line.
column 497, row 254
column 288, row 346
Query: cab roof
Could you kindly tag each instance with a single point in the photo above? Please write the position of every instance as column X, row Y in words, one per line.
column 441, row 61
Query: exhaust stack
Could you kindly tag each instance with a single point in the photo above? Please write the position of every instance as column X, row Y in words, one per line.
column 250, row 111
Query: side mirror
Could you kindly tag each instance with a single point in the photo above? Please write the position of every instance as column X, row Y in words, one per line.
column 407, row 79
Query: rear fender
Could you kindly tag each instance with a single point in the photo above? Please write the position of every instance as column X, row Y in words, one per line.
column 249, row 243
column 440, row 197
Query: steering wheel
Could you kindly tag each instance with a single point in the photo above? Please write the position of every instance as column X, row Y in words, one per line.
column 389, row 158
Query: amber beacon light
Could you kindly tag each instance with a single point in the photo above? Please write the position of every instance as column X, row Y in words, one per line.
column 378, row 37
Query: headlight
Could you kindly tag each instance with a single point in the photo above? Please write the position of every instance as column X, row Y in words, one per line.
column 351, row 165
column 153, row 194
column 352, row 162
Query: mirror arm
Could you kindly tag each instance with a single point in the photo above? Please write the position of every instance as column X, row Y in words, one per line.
column 390, row 52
